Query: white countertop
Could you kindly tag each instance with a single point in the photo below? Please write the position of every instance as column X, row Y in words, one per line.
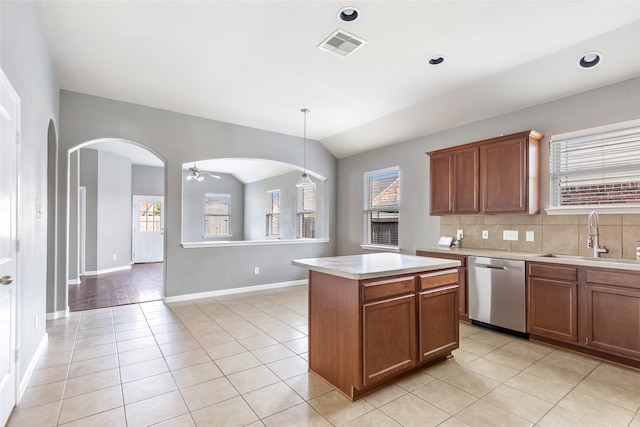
column 614, row 263
column 369, row 266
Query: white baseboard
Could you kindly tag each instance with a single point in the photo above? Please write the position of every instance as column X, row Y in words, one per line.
column 107, row 270
column 58, row 314
column 73, row 282
column 24, row 381
column 231, row 291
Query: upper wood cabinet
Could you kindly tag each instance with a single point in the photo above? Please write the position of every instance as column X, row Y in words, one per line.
column 498, row 175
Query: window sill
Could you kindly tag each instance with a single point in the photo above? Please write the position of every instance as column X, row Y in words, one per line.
column 195, row 245
column 381, row 248
column 601, row 209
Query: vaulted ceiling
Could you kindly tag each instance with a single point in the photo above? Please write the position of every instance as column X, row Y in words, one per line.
column 257, row 63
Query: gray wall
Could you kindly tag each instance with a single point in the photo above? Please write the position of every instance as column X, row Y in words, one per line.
column 107, row 179
column 147, row 180
column 89, row 179
column 611, row 104
column 25, row 60
column 114, row 212
column 193, row 207
column 177, row 139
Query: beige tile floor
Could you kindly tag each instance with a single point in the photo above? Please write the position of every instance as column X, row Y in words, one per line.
column 241, row 360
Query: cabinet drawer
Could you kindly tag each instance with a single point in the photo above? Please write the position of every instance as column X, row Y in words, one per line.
column 437, row 279
column 614, row 277
column 388, row 288
column 554, row 272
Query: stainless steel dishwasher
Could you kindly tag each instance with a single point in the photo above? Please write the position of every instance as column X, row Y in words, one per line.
column 497, row 293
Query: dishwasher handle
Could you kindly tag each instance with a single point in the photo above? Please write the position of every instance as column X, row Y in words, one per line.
column 493, row 267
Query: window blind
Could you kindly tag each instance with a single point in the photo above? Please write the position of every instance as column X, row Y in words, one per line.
column 273, row 213
column 596, row 169
column 382, row 206
column 306, row 209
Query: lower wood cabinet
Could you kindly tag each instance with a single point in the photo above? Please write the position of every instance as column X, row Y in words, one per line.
column 439, row 331
column 388, row 324
column 365, row 334
column 552, row 297
column 612, row 301
column 463, row 292
column 592, row 310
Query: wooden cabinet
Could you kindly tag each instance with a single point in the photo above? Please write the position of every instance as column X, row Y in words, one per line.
column 493, row 176
column 388, row 324
column 612, row 307
column 455, row 182
column 463, row 305
column 552, row 300
column 595, row 311
column 365, row 334
column 438, row 321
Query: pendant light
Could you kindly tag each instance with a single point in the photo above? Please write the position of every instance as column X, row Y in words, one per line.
column 304, row 180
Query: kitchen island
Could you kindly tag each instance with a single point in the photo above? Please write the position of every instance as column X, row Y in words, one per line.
column 376, row 318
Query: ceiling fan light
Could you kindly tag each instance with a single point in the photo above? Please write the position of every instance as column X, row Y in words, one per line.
column 200, row 178
column 304, row 181
column 189, row 178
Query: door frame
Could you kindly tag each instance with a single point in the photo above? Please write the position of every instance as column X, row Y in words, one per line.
column 15, row 332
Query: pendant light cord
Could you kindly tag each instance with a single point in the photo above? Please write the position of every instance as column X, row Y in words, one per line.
column 304, row 140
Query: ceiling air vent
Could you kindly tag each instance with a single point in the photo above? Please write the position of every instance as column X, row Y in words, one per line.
column 341, row 43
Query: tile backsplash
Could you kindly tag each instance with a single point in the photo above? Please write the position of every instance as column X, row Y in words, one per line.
column 563, row 234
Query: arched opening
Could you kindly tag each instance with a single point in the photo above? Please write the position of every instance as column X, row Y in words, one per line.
column 115, row 233
column 52, row 210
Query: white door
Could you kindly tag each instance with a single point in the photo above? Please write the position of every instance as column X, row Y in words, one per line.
column 9, row 108
column 148, row 229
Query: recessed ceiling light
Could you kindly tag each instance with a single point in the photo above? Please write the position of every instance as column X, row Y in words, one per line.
column 436, row 60
column 348, row 14
column 589, row 60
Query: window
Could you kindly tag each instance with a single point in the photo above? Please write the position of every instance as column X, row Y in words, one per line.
column 381, row 207
column 596, row 168
column 306, row 208
column 273, row 213
column 150, row 217
column 216, row 214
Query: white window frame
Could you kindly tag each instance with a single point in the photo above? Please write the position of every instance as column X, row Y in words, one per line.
column 227, row 215
column 272, row 215
column 304, row 212
column 368, row 210
column 601, row 137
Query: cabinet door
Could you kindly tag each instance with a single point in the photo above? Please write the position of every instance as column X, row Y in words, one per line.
column 388, row 337
column 553, row 309
column 463, row 306
column 503, row 172
column 438, row 322
column 613, row 320
column 441, row 184
column 466, row 182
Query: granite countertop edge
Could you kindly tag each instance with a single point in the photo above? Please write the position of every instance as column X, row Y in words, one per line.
column 614, row 263
column 349, row 267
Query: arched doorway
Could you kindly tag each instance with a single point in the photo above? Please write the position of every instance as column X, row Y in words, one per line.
column 107, row 179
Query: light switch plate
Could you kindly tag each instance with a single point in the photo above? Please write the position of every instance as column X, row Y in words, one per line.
column 530, row 236
column 509, row 235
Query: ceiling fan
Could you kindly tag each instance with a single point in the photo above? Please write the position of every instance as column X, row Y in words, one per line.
column 197, row 175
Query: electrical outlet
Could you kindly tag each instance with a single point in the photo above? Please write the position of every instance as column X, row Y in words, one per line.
column 485, row 234
column 530, row 236
column 256, row 270
column 509, row 235
column 459, row 235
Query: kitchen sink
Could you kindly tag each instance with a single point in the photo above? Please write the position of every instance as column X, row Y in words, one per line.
column 590, row 258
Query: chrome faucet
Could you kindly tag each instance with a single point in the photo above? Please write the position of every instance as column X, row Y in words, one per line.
column 593, row 239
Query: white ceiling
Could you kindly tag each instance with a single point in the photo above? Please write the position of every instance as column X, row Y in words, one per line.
column 256, row 63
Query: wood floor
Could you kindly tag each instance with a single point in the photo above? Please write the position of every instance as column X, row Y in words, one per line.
column 143, row 283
